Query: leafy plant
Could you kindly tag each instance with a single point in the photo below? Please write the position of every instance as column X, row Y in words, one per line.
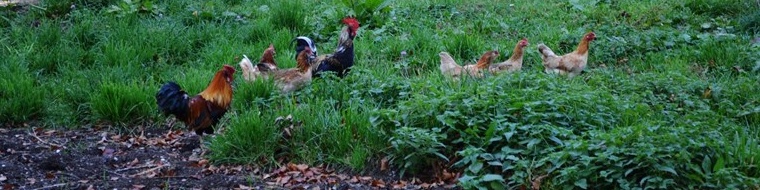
column 372, row 12
column 131, row 7
column 414, row 147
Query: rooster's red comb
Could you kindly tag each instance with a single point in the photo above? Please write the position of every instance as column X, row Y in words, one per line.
column 229, row 68
column 351, row 22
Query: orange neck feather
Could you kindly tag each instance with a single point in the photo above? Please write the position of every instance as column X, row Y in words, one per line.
column 268, row 57
column 484, row 61
column 303, row 62
column 517, row 53
column 583, row 46
column 218, row 90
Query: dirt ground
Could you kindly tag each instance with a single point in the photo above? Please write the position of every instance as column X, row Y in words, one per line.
column 17, row 2
column 35, row 158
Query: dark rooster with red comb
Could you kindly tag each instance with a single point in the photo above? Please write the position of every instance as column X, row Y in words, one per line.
column 342, row 59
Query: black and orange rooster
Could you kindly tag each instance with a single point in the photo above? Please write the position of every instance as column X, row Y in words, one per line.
column 343, row 57
column 201, row 112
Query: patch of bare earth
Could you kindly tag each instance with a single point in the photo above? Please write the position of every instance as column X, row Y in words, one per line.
column 17, row 2
column 35, row 158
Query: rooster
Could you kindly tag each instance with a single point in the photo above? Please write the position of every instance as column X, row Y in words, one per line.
column 514, row 63
column 296, row 78
column 201, row 112
column 342, row 59
column 570, row 64
column 449, row 67
column 266, row 65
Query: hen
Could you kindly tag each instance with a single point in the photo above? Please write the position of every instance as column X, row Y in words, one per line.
column 450, row 68
column 570, row 64
column 266, row 65
column 201, row 112
column 514, row 63
column 342, row 59
column 296, row 78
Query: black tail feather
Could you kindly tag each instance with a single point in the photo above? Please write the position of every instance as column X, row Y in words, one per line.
column 172, row 100
column 302, row 42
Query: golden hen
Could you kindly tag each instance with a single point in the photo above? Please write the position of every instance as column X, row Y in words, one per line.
column 296, row 78
column 450, row 68
column 265, row 66
column 514, row 63
column 570, row 64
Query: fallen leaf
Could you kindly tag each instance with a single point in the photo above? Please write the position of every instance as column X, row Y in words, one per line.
column 83, row 181
column 108, row 153
column 90, row 188
column 3, row 178
column 49, row 175
column 114, row 178
column 284, row 180
column 243, row 187
column 536, row 184
column 302, row 167
column 384, row 164
column 138, row 187
column 133, row 162
column 378, row 183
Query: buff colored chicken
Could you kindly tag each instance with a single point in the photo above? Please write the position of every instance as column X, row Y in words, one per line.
column 514, row 63
column 450, row 68
column 265, row 66
column 570, row 64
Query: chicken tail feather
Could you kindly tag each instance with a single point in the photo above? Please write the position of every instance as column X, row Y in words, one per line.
column 447, row 62
column 545, row 51
column 302, row 42
column 172, row 100
column 248, row 68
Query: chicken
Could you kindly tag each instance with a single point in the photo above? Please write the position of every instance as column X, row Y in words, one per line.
column 450, row 68
column 201, row 112
column 266, row 65
column 342, row 59
column 570, row 64
column 514, row 63
column 296, row 78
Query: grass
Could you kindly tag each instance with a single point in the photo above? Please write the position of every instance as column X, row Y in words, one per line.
column 669, row 99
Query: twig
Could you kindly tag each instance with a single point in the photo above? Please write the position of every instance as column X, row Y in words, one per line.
column 70, row 175
column 147, row 171
column 43, row 141
column 120, row 175
column 170, row 177
column 52, row 186
column 132, row 168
